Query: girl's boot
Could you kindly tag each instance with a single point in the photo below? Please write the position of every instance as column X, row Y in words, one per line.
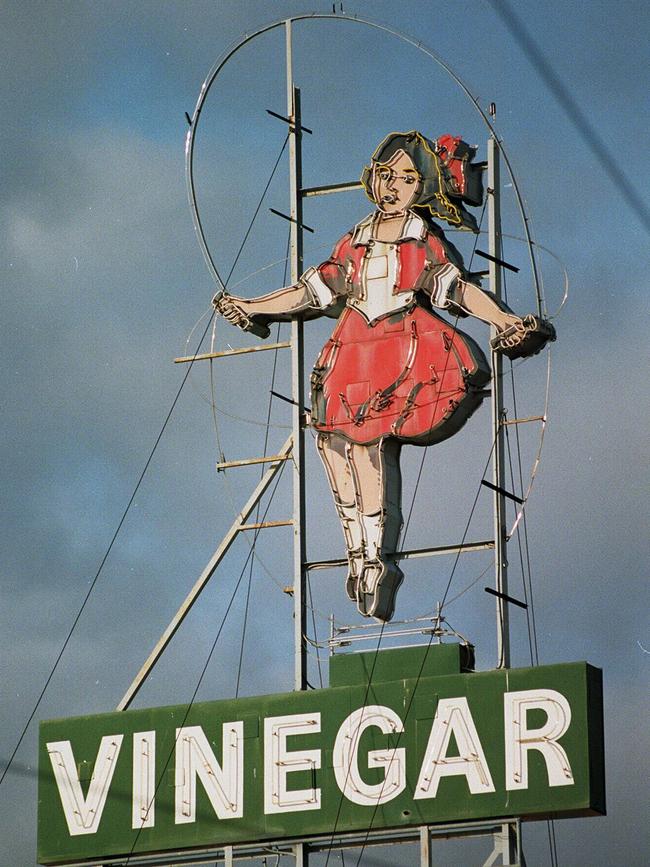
column 381, row 576
column 353, row 535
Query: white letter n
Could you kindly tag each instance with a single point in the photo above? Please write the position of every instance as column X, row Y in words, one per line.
column 224, row 784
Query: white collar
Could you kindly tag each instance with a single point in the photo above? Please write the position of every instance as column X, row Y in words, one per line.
column 414, row 228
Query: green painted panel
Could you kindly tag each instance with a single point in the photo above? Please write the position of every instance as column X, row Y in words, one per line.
column 400, row 664
column 394, row 688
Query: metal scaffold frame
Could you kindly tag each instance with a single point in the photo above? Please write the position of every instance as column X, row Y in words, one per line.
column 506, row 834
column 424, row 837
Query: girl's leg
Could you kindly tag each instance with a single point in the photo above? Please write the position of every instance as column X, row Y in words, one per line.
column 378, row 484
column 367, row 487
column 333, row 452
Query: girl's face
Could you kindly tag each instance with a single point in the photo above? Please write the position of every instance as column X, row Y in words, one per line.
column 396, row 183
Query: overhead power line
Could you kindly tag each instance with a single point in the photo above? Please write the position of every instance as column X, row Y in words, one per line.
column 606, row 157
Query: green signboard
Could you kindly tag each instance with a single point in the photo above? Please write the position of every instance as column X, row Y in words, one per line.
column 427, row 742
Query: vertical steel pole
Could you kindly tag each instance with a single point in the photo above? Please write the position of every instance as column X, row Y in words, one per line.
column 297, row 381
column 425, row 847
column 509, row 850
column 301, row 851
column 498, row 458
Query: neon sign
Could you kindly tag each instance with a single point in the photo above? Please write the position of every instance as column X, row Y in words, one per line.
column 394, row 371
column 444, row 746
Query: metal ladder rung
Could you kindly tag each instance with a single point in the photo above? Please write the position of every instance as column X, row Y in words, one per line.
column 525, row 420
column 331, row 188
column 487, row 545
column 269, row 459
column 228, row 352
column 264, row 524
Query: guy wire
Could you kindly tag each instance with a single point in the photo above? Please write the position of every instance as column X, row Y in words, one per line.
column 368, row 685
column 106, row 555
column 521, row 556
column 125, row 512
column 257, row 518
column 469, row 520
column 455, row 323
column 606, row 156
column 347, row 774
column 530, row 612
column 527, row 581
column 526, row 574
column 397, row 742
column 257, row 509
column 313, row 620
column 202, row 674
column 441, row 607
column 211, row 369
column 426, row 653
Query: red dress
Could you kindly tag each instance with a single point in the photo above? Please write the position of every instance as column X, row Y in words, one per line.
column 393, row 367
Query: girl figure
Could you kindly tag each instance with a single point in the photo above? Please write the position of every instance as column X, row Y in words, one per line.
column 394, row 371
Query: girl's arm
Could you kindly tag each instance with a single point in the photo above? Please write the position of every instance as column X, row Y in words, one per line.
column 516, row 337
column 447, row 289
column 478, row 303
column 319, row 291
column 274, row 307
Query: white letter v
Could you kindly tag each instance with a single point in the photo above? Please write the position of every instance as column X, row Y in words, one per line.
column 83, row 814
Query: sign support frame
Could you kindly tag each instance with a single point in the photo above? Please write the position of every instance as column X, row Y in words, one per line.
column 507, row 840
column 300, row 850
column 498, row 461
column 507, row 843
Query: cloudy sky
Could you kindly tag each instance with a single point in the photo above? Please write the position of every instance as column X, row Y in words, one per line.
column 104, row 284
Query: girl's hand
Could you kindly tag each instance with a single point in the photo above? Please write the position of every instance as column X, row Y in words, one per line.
column 238, row 312
column 231, row 308
column 510, row 322
column 522, row 337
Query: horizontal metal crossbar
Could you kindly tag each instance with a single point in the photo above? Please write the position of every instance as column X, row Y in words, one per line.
column 331, row 188
column 286, row 399
column 507, row 598
column 205, row 576
column 412, row 554
column 498, row 261
column 288, row 120
column 228, row 352
column 361, row 839
column 345, row 639
column 291, row 220
column 246, row 462
column 502, row 491
column 525, row 420
column 262, row 525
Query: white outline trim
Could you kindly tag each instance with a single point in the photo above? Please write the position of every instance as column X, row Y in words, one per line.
column 321, row 292
column 414, row 229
